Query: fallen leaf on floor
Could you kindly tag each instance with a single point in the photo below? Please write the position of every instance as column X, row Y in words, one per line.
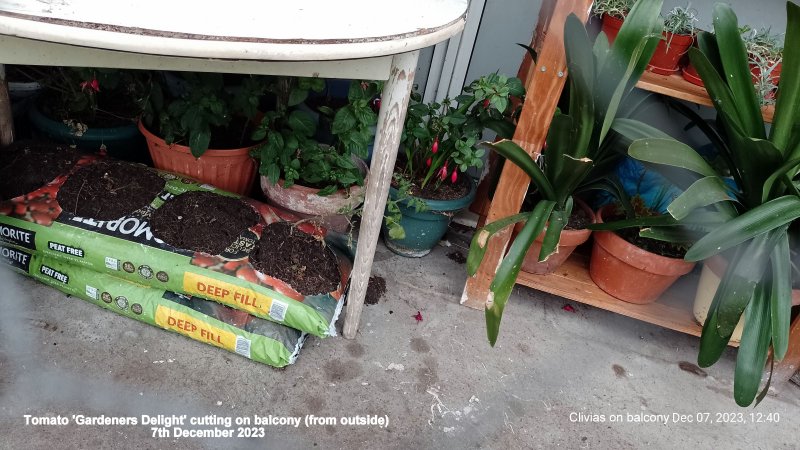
column 418, row 316
column 568, row 308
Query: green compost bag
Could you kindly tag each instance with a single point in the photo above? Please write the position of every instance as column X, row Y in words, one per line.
column 127, row 248
column 202, row 320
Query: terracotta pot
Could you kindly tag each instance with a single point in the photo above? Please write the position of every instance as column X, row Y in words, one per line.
column 710, row 277
column 666, row 60
column 232, row 170
column 690, row 74
column 303, row 201
column 611, row 26
column 628, row 272
column 566, row 245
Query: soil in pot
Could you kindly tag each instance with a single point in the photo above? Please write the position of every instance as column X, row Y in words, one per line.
column 202, row 221
column 298, row 258
column 108, row 190
column 29, row 165
column 444, row 191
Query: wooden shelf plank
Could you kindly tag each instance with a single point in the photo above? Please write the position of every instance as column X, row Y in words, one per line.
column 675, row 86
column 673, row 310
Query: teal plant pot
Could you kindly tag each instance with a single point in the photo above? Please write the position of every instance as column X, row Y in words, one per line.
column 125, row 142
column 425, row 229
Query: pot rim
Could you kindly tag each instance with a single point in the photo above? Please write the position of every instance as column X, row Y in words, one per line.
column 343, row 192
column 241, row 151
column 446, row 205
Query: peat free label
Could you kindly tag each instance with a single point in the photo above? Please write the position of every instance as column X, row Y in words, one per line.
column 194, row 328
column 229, row 294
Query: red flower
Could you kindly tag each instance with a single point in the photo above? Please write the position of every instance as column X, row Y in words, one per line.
column 486, row 104
column 91, row 85
column 418, row 316
column 454, row 176
column 435, row 146
column 568, row 308
column 443, row 172
column 428, row 162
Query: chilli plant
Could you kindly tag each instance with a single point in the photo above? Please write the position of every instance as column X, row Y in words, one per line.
column 748, row 222
column 600, row 77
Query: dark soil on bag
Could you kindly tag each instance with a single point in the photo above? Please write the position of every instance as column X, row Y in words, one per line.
column 578, row 220
column 297, row 258
column 202, row 221
column 651, row 245
column 27, row 166
column 375, row 290
column 108, row 190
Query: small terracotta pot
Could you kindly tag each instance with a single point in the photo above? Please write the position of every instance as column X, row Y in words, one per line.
column 304, row 201
column 610, row 27
column 628, row 272
column 566, row 245
column 690, row 74
column 666, row 60
column 232, row 170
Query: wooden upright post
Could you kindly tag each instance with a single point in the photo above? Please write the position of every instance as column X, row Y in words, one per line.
column 6, row 117
column 543, row 90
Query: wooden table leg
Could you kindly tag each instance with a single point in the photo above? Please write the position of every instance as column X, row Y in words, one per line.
column 6, row 116
column 394, row 103
column 791, row 362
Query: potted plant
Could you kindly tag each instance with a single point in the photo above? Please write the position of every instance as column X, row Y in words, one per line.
column 678, row 36
column 90, row 108
column 204, row 131
column 613, row 13
column 309, row 178
column 579, row 150
column 439, row 142
column 748, row 220
column 765, row 56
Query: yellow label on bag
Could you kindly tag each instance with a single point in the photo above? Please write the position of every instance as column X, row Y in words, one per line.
column 235, row 296
column 194, row 328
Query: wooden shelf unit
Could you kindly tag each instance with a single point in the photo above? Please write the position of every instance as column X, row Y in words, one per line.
column 675, row 86
column 572, row 281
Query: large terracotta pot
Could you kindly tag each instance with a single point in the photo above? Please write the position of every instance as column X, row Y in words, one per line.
column 232, row 170
column 303, row 201
column 628, row 272
column 569, row 240
column 610, row 27
column 666, row 59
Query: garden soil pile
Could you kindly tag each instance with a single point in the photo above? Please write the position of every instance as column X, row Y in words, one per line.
column 176, row 239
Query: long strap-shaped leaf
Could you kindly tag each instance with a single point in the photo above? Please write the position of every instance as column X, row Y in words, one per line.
column 769, row 216
column 787, row 107
column 635, row 129
column 480, row 241
column 781, row 297
column 737, row 71
column 718, row 90
column 580, row 62
column 552, row 235
column 507, row 273
column 672, row 153
column 517, row 155
column 703, row 192
column 789, row 167
column 753, row 349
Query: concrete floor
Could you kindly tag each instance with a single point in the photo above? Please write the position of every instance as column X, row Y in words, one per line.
column 437, row 381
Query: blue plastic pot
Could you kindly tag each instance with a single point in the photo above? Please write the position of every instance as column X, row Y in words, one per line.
column 425, row 229
column 125, row 142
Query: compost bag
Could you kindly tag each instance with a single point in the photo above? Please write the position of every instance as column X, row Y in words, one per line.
column 98, row 216
column 199, row 319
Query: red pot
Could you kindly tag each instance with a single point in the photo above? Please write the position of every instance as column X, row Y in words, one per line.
column 666, row 60
column 610, row 27
column 566, row 245
column 774, row 76
column 231, row 170
column 628, row 272
column 690, row 74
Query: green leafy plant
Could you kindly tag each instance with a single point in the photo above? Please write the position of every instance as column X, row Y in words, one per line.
column 83, row 97
column 765, row 54
column 748, row 223
column 600, row 78
column 681, row 20
column 206, row 108
column 290, row 151
column 614, row 8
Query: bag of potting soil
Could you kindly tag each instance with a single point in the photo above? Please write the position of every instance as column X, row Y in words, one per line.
column 199, row 319
column 172, row 233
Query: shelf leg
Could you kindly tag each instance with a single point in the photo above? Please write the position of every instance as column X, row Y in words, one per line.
column 6, row 117
column 392, row 115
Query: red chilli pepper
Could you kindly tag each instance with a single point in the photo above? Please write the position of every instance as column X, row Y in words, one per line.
column 486, row 104
column 454, row 176
column 428, row 162
column 443, row 172
column 435, row 146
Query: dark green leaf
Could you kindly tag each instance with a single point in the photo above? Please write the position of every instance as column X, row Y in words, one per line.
column 703, row 192
column 302, row 123
column 787, row 107
column 198, row 142
column 477, row 248
column 753, row 349
column 780, row 297
column 514, row 153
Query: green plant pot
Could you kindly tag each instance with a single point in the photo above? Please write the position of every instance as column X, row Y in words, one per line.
column 125, row 142
column 425, row 229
